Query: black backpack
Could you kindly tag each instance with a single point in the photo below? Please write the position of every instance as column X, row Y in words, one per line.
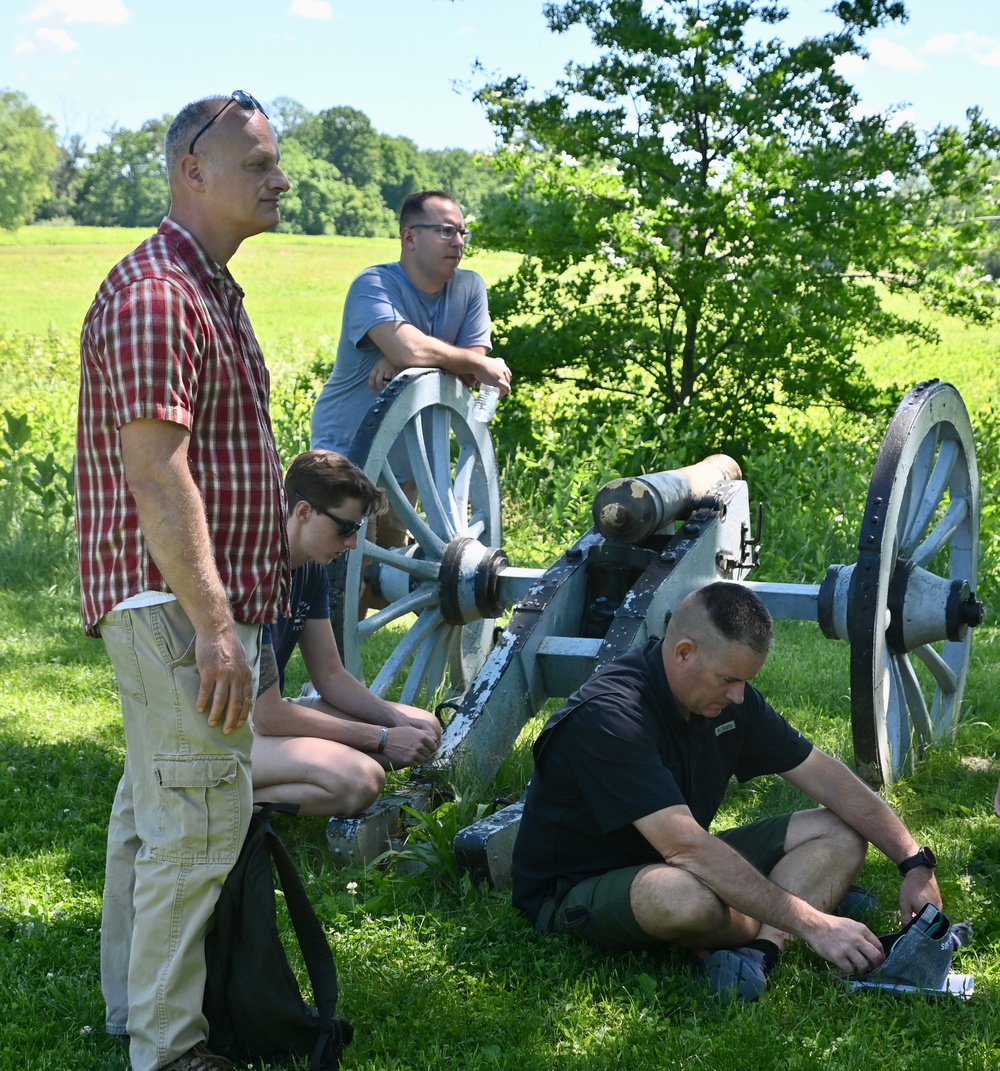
column 253, row 1002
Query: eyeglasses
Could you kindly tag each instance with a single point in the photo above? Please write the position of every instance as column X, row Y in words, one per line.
column 345, row 529
column 240, row 97
column 447, row 231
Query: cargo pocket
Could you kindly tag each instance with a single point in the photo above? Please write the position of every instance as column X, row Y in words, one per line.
column 198, row 816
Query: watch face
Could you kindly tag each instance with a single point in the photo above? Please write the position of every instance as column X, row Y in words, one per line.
column 929, row 856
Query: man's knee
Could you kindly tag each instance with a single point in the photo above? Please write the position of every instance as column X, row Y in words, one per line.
column 843, row 843
column 358, row 791
column 671, row 905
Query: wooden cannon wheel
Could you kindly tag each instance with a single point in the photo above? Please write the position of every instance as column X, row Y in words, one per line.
column 911, row 603
column 422, row 420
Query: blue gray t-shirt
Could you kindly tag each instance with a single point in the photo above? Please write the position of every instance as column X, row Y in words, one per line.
column 457, row 314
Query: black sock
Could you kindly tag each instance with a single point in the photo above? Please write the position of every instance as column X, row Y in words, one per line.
column 771, row 953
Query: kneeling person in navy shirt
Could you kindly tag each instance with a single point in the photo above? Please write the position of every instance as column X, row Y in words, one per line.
column 328, row 753
column 629, row 774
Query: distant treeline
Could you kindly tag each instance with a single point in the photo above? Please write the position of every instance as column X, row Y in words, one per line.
column 347, row 178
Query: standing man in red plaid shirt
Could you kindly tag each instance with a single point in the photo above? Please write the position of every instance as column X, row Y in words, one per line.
column 183, row 557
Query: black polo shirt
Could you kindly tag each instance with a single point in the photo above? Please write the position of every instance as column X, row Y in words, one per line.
column 619, row 750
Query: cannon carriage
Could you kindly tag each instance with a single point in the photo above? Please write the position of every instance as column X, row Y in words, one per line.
column 906, row 606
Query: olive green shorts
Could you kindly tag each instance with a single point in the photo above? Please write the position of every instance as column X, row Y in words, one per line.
column 599, row 909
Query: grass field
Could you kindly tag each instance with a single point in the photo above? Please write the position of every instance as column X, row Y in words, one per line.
column 436, row 973
column 295, row 284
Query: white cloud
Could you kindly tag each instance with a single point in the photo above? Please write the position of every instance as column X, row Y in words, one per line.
column 892, row 57
column 45, row 39
column 109, row 12
column 310, row 9
column 59, row 40
column 947, row 44
column 966, row 46
column 883, row 55
column 849, row 65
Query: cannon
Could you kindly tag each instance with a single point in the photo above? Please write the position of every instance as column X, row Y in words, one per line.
column 906, row 606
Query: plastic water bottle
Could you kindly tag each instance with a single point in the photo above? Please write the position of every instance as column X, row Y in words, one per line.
column 485, row 404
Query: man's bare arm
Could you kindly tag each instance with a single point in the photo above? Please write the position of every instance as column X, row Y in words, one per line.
column 173, row 524
column 829, row 782
column 683, row 843
column 406, row 346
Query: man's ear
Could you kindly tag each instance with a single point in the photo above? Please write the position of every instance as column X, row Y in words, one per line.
column 192, row 172
column 684, row 650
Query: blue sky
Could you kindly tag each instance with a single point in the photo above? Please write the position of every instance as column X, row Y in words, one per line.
column 91, row 64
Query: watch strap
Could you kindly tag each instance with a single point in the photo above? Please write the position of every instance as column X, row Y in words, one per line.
column 924, row 857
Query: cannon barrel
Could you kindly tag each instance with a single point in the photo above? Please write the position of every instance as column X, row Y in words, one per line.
column 630, row 510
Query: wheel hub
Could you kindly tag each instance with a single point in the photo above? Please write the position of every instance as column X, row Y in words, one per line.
column 922, row 607
column 470, row 581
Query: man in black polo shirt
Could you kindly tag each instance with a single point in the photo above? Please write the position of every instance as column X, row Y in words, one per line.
column 614, row 843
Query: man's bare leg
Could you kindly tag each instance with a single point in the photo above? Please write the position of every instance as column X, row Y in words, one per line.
column 822, row 858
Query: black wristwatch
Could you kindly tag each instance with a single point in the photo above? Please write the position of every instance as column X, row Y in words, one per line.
column 925, row 857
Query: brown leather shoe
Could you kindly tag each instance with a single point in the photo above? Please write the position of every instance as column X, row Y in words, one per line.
column 199, row 1058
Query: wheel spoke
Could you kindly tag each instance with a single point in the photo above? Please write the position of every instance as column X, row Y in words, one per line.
column 943, row 531
column 946, row 677
column 427, row 670
column 913, row 696
column 915, row 481
column 897, row 721
column 476, row 528
column 425, row 595
column 440, row 436
column 464, row 470
column 396, row 558
column 423, row 460
column 424, row 627
column 431, row 543
column 924, row 507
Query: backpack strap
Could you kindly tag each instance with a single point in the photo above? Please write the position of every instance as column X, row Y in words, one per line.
column 312, row 940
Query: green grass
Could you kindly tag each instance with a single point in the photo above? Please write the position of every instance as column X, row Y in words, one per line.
column 437, row 973
column 295, row 284
column 444, row 974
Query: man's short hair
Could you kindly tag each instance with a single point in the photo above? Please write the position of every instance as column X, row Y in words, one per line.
column 189, row 120
column 328, row 478
column 738, row 615
column 412, row 210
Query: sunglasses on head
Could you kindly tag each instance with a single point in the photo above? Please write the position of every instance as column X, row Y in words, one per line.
column 345, row 529
column 238, row 96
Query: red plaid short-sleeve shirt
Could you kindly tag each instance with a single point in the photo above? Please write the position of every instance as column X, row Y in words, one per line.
column 167, row 338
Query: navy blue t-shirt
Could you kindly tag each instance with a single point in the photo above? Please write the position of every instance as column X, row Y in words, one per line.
column 618, row 750
column 310, row 598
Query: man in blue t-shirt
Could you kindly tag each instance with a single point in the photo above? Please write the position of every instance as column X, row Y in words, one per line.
column 329, row 752
column 420, row 312
column 614, row 843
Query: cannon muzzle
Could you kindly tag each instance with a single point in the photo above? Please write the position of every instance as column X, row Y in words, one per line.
column 630, row 510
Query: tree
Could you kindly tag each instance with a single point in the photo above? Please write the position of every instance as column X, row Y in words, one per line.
column 124, row 183
column 703, row 210
column 403, row 171
column 27, row 156
column 322, row 202
column 471, row 176
column 287, row 116
column 345, row 138
column 64, row 179
column 316, row 196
